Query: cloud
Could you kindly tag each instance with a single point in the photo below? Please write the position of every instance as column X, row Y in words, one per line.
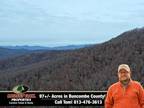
column 67, row 20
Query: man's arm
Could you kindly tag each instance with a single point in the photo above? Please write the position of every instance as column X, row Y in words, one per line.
column 141, row 96
column 109, row 100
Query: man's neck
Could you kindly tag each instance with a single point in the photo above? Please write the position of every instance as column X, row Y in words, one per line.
column 125, row 82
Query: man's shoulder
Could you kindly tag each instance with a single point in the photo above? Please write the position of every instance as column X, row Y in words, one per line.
column 114, row 85
column 136, row 83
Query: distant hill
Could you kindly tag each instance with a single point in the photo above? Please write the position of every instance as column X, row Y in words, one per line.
column 12, row 51
column 26, row 47
column 5, row 52
column 90, row 68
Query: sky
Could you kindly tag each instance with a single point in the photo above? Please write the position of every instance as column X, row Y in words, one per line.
column 67, row 22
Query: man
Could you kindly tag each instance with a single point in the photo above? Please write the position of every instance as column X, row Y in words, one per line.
column 126, row 93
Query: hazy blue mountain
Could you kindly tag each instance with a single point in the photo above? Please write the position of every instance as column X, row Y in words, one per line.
column 10, row 51
column 27, row 47
column 70, row 47
column 5, row 52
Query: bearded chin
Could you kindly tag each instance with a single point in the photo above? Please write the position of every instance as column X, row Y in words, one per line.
column 125, row 82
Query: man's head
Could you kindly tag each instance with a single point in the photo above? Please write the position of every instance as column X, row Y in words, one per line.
column 124, row 73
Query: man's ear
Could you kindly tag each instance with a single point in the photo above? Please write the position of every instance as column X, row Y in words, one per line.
column 130, row 72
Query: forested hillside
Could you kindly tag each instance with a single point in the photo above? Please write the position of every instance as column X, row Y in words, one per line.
column 91, row 68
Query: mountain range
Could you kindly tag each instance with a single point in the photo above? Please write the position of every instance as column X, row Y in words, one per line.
column 27, row 47
column 10, row 51
column 89, row 68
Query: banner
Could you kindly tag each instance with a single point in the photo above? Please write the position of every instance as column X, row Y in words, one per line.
column 52, row 98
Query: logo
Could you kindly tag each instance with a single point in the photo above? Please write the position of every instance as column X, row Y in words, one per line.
column 20, row 89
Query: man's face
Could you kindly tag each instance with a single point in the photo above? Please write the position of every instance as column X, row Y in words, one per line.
column 123, row 75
